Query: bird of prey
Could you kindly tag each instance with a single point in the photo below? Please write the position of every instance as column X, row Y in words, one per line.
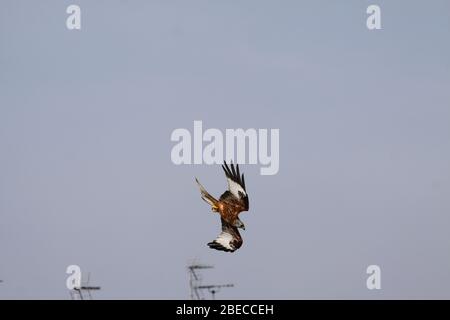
column 230, row 204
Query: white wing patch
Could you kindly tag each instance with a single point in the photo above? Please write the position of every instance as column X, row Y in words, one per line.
column 235, row 188
column 224, row 239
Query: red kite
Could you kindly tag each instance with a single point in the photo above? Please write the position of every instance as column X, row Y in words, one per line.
column 230, row 204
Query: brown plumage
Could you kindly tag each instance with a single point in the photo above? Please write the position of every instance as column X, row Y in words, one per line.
column 230, row 204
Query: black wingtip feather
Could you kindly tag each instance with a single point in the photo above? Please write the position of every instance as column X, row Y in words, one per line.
column 234, row 173
column 232, row 169
column 226, row 169
column 217, row 246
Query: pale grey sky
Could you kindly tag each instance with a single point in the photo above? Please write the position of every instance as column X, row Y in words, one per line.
column 85, row 123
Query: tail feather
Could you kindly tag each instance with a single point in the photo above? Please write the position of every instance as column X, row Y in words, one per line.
column 207, row 197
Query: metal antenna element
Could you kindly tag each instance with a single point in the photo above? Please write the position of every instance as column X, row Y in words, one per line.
column 213, row 289
column 195, row 280
column 84, row 292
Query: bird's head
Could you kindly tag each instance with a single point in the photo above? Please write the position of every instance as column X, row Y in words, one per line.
column 239, row 224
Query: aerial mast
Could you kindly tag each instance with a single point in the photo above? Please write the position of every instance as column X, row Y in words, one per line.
column 195, row 282
column 84, row 291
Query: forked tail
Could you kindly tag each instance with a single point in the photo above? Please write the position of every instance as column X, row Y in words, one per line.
column 207, row 197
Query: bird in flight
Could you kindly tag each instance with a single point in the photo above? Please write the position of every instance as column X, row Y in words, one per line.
column 230, row 204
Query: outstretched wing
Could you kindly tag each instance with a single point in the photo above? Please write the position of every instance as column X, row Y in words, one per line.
column 229, row 239
column 206, row 196
column 236, row 187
